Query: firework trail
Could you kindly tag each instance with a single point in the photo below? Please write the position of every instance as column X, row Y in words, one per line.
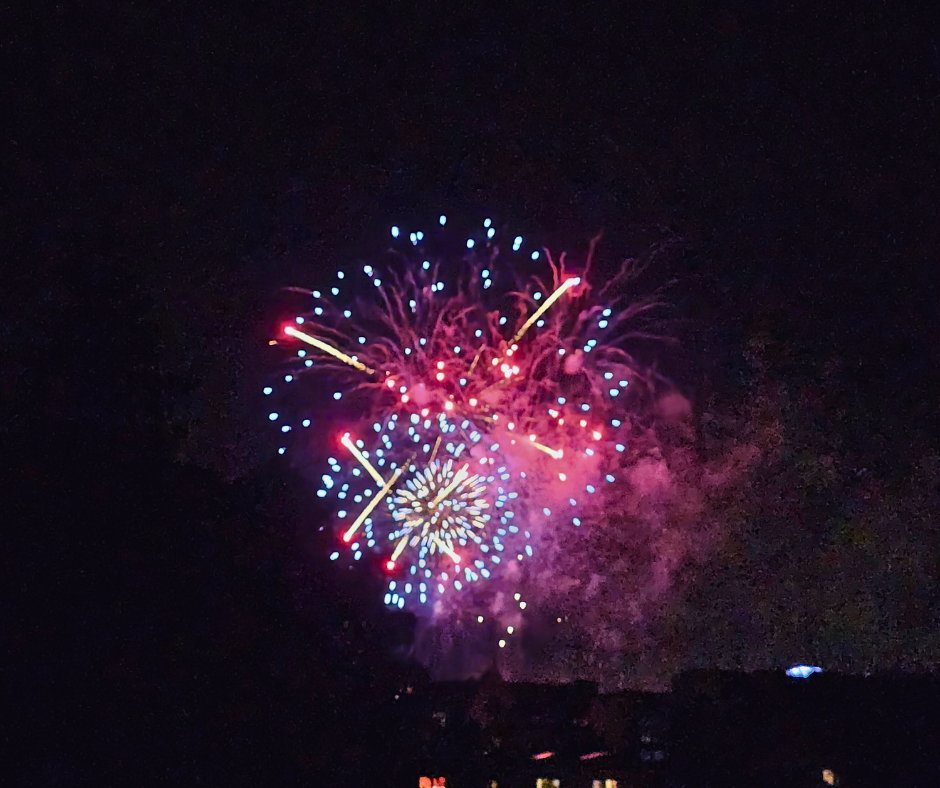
column 494, row 394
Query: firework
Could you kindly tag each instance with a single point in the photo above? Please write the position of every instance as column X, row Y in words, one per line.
column 495, row 389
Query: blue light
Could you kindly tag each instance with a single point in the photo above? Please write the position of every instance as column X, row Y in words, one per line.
column 335, row 291
column 316, row 293
column 377, row 282
column 502, row 321
column 320, row 493
column 301, row 353
column 802, row 671
column 576, row 521
column 585, row 407
column 318, row 311
column 517, row 242
column 337, row 395
column 395, row 232
column 469, row 243
column 306, row 422
column 614, row 392
column 487, row 222
column 537, row 296
column 535, row 255
column 299, row 321
column 546, row 511
column 285, row 428
column 615, row 422
column 308, row 363
column 624, row 383
column 620, row 447
column 288, row 378
column 272, row 416
column 340, row 274
column 609, row 477
column 334, row 555
column 362, row 340
column 443, row 220
column 490, row 233
column 606, row 313
column 485, row 273
column 420, row 235
column 282, row 450
column 590, row 488
column 561, row 400
column 602, row 324
column 268, row 390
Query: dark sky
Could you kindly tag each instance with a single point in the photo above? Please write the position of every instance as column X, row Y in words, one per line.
column 168, row 168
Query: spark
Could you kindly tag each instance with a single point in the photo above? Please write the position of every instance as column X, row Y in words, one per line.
column 556, row 454
column 347, row 442
column 566, row 285
column 327, row 348
column 371, row 505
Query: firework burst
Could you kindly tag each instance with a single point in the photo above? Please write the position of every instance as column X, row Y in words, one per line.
column 493, row 388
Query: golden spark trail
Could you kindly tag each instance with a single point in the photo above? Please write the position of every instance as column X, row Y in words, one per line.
column 371, row 505
column 554, row 453
column 327, row 348
column 566, row 285
column 458, row 478
column 437, row 443
column 399, row 547
column 347, row 442
column 445, row 549
column 476, row 358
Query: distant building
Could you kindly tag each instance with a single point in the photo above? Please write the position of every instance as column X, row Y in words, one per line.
column 713, row 729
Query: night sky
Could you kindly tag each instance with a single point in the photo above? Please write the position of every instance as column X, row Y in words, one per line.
column 168, row 602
